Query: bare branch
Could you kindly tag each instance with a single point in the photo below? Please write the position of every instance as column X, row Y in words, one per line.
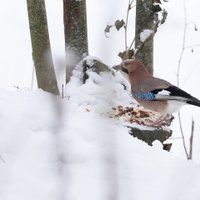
column 192, row 46
column 182, row 135
column 178, row 77
column 191, row 140
column 126, row 27
column 32, row 77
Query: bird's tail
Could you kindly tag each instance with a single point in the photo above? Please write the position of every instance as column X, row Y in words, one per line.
column 193, row 101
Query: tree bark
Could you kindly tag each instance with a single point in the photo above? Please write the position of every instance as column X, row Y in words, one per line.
column 144, row 20
column 75, row 26
column 42, row 57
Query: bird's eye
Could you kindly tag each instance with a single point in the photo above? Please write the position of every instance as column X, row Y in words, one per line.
column 125, row 70
column 125, row 63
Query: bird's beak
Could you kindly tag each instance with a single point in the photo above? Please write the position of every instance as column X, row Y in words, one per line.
column 121, row 67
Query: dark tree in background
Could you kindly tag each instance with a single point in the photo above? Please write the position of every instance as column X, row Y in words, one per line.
column 42, row 56
column 75, row 28
column 144, row 20
column 147, row 18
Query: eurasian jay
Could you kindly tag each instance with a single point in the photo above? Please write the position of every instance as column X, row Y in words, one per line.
column 153, row 93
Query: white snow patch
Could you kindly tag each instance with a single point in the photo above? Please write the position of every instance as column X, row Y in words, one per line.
column 56, row 149
column 145, row 34
column 157, row 144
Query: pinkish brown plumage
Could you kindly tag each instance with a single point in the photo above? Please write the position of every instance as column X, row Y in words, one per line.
column 154, row 93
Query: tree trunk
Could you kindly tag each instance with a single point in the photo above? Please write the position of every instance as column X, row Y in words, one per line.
column 42, row 57
column 75, row 26
column 144, row 20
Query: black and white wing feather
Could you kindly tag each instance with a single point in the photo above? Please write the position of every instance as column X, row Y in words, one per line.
column 175, row 93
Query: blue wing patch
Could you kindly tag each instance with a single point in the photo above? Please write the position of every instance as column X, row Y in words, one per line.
column 146, row 96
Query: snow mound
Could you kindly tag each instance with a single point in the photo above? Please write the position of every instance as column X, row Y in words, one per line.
column 53, row 148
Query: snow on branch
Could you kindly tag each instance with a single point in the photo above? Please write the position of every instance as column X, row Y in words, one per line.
column 145, row 34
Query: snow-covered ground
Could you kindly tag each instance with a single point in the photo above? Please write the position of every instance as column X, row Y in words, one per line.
column 67, row 149
column 16, row 64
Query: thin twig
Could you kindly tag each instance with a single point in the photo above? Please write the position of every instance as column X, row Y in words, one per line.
column 175, row 138
column 134, row 37
column 126, row 25
column 192, row 46
column 132, row 43
column 63, row 92
column 182, row 135
column 191, row 140
column 32, row 77
column 178, row 77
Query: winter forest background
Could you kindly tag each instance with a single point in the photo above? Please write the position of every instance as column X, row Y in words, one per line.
column 64, row 149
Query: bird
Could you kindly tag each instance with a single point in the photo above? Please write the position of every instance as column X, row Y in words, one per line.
column 153, row 93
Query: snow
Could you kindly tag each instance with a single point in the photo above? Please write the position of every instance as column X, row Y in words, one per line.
column 17, row 47
column 53, row 148
column 145, row 34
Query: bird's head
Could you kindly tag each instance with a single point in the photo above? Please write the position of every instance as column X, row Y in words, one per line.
column 131, row 68
column 123, row 69
column 130, row 65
